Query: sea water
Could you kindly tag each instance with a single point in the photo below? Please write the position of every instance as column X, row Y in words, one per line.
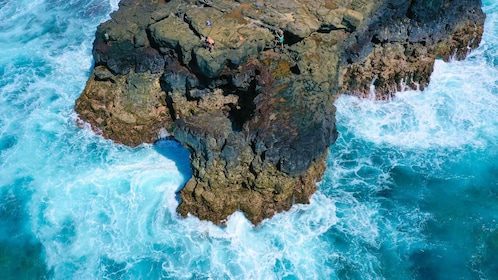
column 410, row 192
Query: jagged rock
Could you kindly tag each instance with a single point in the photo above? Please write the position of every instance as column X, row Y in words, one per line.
column 399, row 53
column 129, row 109
column 210, row 64
column 173, row 33
column 149, row 59
column 103, row 74
column 258, row 119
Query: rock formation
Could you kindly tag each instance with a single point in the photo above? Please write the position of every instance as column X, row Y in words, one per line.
column 258, row 118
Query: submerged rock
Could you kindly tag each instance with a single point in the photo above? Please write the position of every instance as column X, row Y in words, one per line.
column 258, row 117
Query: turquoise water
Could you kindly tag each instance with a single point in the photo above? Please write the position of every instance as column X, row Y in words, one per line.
column 411, row 189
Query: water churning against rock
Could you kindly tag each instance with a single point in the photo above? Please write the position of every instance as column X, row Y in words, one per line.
column 411, row 189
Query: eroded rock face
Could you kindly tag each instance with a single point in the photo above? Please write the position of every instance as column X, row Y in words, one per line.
column 399, row 53
column 258, row 119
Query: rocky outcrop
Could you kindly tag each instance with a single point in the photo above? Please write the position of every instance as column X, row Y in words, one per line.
column 400, row 55
column 258, row 117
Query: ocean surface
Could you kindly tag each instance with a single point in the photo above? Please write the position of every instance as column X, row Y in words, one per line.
column 411, row 189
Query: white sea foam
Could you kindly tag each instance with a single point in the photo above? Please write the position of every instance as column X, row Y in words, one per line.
column 109, row 208
column 450, row 113
column 114, row 4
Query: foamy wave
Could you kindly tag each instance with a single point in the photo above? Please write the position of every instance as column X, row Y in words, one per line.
column 240, row 250
column 451, row 112
column 108, row 210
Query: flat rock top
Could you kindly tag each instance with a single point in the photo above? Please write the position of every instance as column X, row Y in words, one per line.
column 240, row 29
column 297, row 17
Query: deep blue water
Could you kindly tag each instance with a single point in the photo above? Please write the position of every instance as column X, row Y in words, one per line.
column 411, row 189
